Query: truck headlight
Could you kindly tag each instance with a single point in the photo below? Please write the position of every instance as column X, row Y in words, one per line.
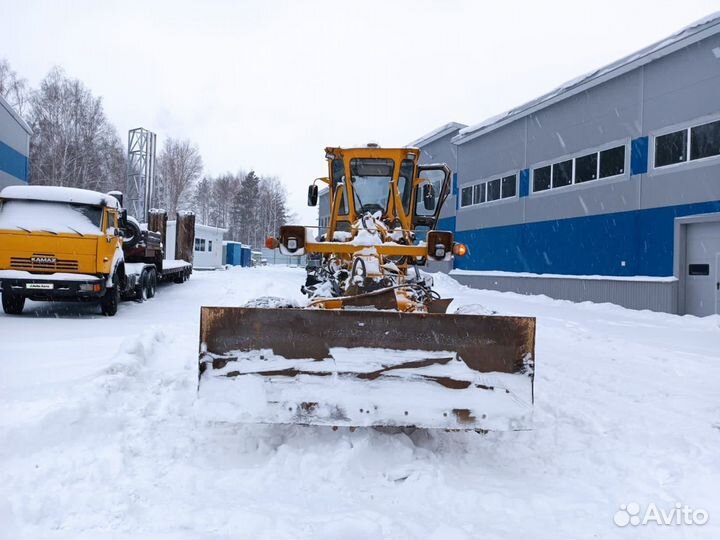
column 89, row 287
column 292, row 243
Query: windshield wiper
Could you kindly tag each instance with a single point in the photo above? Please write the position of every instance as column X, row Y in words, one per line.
column 357, row 195
column 23, row 228
column 75, row 230
column 46, row 230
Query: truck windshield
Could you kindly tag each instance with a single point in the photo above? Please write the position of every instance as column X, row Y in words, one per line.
column 49, row 216
column 371, row 183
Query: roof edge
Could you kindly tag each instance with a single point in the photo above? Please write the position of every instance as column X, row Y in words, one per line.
column 692, row 33
column 436, row 134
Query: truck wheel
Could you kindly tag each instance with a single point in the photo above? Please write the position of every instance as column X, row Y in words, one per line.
column 141, row 287
column 12, row 304
column 151, row 284
column 109, row 301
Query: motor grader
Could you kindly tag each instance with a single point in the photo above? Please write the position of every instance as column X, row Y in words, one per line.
column 374, row 344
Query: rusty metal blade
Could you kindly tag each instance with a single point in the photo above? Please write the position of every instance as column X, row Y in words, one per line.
column 485, row 343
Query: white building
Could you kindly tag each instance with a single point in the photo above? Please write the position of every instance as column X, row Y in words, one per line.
column 208, row 245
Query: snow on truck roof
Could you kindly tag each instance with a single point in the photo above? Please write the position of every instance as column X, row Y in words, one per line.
column 59, row 194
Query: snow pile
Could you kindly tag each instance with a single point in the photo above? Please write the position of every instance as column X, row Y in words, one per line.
column 101, row 437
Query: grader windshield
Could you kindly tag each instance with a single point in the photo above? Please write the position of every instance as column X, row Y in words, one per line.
column 371, row 183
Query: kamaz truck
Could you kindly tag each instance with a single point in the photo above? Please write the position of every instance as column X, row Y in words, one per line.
column 67, row 244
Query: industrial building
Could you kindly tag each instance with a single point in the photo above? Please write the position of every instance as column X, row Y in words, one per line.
column 14, row 147
column 605, row 189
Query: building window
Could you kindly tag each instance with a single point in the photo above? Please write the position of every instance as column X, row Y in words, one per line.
column 612, row 162
column 209, row 245
column 562, row 173
column 493, row 190
column 509, row 186
column 479, row 194
column 671, row 148
column 586, row 168
column 541, row 178
column 705, row 140
column 200, row 244
column 602, row 164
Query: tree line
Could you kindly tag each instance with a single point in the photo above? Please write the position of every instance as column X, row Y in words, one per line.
column 73, row 144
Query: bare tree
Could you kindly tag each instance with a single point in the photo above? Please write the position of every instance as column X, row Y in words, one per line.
column 73, row 143
column 273, row 206
column 224, row 190
column 202, row 200
column 179, row 167
column 13, row 88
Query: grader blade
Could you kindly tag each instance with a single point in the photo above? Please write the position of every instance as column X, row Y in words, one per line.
column 366, row 368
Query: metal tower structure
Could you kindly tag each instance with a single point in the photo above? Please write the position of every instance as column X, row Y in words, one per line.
column 141, row 190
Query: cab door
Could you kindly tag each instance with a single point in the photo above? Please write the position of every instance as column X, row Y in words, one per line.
column 425, row 216
column 110, row 243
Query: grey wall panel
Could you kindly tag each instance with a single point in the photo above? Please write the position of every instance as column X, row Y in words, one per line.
column 676, row 89
column 594, row 198
column 12, row 134
column 9, row 180
column 682, row 184
column 609, row 112
column 652, row 295
column 440, row 151
column 497, row 152
column 495, row 214
column 682, row 86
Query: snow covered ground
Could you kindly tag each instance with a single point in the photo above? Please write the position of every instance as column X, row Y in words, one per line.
column 100, row 436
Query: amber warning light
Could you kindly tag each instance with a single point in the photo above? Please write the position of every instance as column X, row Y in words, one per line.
column 459, row 249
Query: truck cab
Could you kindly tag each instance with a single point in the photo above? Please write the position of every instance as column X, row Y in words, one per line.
column 59, row 243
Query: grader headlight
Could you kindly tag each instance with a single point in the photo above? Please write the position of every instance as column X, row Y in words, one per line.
column 438, row 243
column 292, row 240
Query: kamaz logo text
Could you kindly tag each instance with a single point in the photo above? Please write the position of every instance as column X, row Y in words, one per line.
column 43, row 260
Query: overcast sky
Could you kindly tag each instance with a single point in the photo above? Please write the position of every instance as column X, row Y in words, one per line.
column 268, row 84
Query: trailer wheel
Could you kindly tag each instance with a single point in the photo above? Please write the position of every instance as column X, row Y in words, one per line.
column 151, row 284
column 109, row 301
column 141, row 287
column 12, row 304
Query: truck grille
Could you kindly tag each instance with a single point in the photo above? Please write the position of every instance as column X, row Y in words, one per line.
column 44, row 262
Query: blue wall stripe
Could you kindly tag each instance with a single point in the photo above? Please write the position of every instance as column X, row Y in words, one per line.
column 524, row 182
column 446, row 224
column 639, row 156
column 587, row 245
column 13, row 162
